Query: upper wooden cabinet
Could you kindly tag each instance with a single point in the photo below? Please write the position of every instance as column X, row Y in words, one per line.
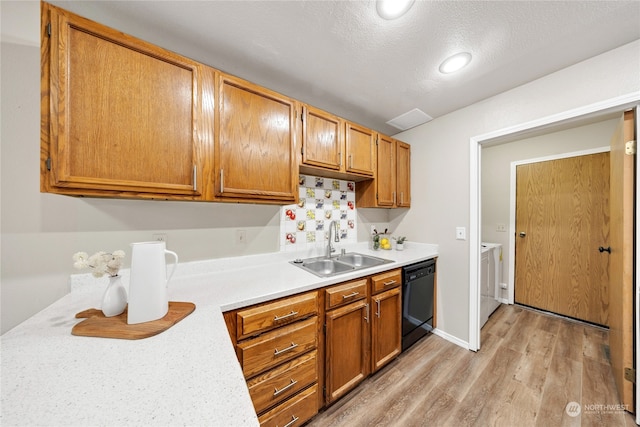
column 360, row 150
column 403, row 174
column 322, row 139
column 255, row 144
column 392, row 186
column 121, row 117
column 386, row 177
column 336, row 148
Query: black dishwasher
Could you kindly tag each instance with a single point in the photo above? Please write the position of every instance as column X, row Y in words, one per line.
column 417, row 301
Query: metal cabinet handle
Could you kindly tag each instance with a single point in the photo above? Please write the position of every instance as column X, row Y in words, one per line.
column 350, row 161
column 377, row 308
column 351, row 295
column 402, row 197
column 389, row 283
column 340, row 159
column 284, row 350
column 366, row 312
column 292, row 422
column 222, row 180
column 603, row 249
column 285, row 388
column 276, row 318
column 195, row 178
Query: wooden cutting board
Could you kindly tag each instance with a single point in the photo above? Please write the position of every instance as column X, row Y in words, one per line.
column 97, row 325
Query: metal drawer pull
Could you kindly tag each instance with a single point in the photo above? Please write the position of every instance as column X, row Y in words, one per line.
column 276, row 318
column 351, row 295
column 287, row 387
column 292, row 422
column 392, row 282
column 284, row 350
column 378, row 308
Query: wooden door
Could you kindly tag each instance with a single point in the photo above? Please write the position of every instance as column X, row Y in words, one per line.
column 386, row 325
column 562, row 217
column 347, row 348
column 621, row 267
column 322, row 139
column 123, row 115
column 386, row 174
column 360, row 147
column 255, row 145
column 403, row 175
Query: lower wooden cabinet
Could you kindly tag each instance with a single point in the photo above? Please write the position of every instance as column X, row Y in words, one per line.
column 277, row 346
column 294, row 412
column 304, row 352
column 386, row 318
column 386, row 327
column 285, row 381
column 347, row 348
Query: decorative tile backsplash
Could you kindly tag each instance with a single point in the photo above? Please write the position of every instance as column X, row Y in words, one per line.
column 322, row 200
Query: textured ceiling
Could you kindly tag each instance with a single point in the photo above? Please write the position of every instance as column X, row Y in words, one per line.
column 342, row 57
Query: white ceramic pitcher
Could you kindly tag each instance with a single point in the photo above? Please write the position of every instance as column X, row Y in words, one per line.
column 148, row 282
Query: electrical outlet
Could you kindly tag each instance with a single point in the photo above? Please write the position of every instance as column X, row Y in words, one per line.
column 241, row 237
column 159, row 237
column 461, row 233
column 501, row 227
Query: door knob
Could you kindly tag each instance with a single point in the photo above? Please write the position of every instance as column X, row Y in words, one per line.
column 522, row 234
column 603, row 249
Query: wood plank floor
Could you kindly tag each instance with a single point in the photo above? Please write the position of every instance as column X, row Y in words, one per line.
column 530, row 367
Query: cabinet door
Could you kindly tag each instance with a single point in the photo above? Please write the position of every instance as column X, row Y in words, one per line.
column 255, row 144
column 386, row 326
column 347, row 348
column 403, row 196
column 386, row 176
column 360, row 148
column 322, row 139
column 123, row 114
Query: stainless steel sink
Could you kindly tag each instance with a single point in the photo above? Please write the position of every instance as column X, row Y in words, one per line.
column 360, row 261
column 327, row 267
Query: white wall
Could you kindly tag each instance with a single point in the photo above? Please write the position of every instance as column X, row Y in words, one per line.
column 496, row 170
column 440, row 161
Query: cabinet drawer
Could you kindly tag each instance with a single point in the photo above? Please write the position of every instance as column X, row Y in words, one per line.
column 272, row 315
column 268, row 350
column 294, row 412
column 346, row 293
column 388, row 280
column 276, row 385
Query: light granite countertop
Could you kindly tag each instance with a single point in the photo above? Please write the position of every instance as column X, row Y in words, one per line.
column 187, row 375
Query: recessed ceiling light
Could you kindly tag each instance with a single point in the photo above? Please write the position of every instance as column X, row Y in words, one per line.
column 392, row 9
column 455, row 62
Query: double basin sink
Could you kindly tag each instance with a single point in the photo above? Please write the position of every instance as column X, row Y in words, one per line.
column 338, row 264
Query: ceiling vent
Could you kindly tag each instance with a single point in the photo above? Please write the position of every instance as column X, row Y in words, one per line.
column 410, row 119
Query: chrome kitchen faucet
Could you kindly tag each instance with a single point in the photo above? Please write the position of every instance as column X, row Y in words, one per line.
column 330, row 247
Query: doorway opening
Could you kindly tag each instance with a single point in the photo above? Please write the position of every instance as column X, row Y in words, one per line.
column 566, row 119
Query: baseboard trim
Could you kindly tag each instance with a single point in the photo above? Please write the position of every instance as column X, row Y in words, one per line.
column 455, row 340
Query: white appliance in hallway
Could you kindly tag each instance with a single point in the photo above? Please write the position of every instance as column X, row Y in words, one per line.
column 491, row 277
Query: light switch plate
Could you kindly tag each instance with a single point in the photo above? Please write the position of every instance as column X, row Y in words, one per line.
column 501, row 227
column 461, row 233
